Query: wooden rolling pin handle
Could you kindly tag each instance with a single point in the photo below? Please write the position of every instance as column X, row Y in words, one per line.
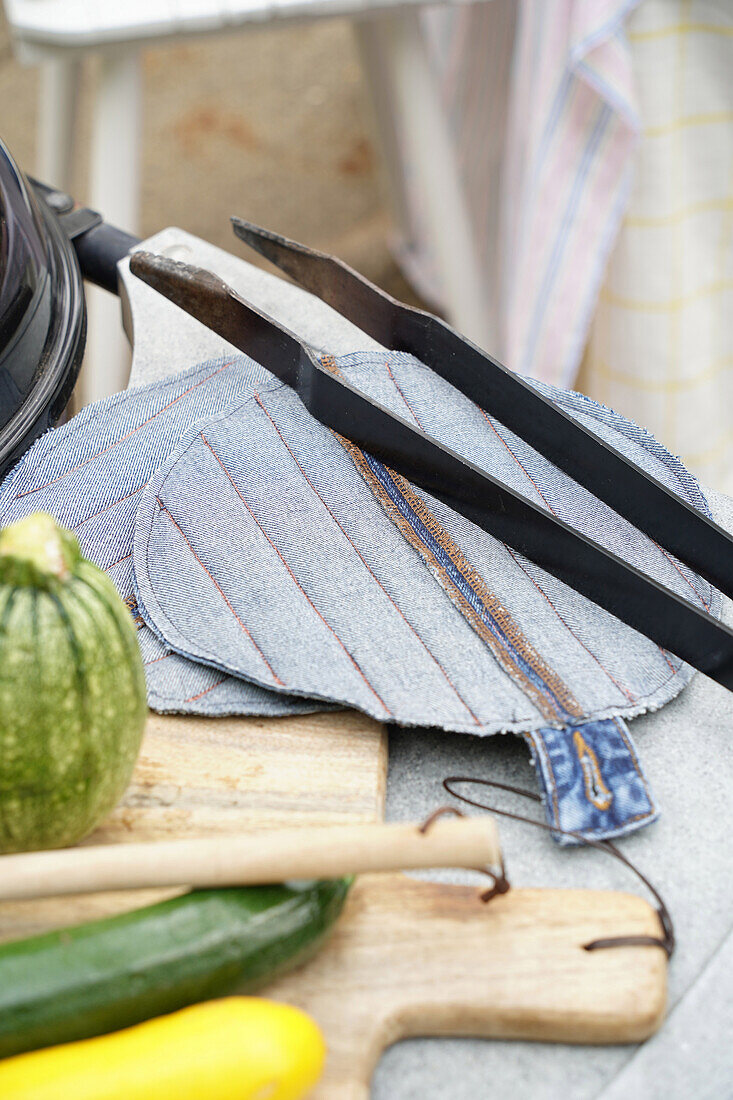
column 246, row 859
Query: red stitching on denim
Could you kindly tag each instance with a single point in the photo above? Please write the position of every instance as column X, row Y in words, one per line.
column 193, row 698
column 687, row 580
column 396, row 606
column 541, row 750
column 471, row 575
column 668, row 556
column 490, row 600
column 108, row 506
column 580, row 642
column 294, row 578
column 402, row 395
column 501, row 654
column 629, row 696
column 114, row 563
column 111, row 446
column 669, row 663
column 156, row 660
column 516, row 458
column 474, row 579
column 221, row 592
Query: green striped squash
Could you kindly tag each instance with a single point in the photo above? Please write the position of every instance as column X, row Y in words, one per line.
column 72, row 689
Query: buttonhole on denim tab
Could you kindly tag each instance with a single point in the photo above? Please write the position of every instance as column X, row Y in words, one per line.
column 596, row 790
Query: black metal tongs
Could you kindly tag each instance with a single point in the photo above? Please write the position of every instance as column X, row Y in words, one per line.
column 620, row 588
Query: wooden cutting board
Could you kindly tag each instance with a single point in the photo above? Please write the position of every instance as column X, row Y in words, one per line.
column 414, row 958
column 407, row 957
column 203, row 776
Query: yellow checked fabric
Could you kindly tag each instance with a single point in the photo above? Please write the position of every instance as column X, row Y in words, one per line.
column 661, row 344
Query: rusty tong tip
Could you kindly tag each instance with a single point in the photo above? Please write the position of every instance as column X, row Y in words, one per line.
column 163, row 273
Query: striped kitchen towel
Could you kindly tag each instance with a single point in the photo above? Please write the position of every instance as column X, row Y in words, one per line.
column 541, row 99
column 661, row 341
column 595, row 143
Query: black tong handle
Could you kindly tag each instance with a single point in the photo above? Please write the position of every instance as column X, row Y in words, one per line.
column 648, row 504
column 633, row 597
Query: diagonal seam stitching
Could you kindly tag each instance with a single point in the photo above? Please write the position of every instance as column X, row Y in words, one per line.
column 364, row 561
column 111, row 446
column 295, row 579
column 156, row 660
column 118, row 562
column 598, row 661
column 401, row 392
column 220, row 590
column 193, row 698
column 553, row 687
column 503, row 654
column 107, row 507
column 629, row 695
column 419, row 423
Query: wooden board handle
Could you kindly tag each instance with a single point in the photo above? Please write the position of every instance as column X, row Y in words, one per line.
column 413, row 958
column 249, row 858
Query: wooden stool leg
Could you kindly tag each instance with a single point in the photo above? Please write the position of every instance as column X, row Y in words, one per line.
column 417, row 139
column 115, row 192
column 57, row 113
column 369, row 35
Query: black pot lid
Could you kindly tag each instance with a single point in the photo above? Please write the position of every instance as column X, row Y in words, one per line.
column 42, row 315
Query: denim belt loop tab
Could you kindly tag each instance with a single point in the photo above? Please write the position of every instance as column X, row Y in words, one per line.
column 591, row 780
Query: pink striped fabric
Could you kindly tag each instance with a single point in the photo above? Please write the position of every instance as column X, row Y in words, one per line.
column 541, row 97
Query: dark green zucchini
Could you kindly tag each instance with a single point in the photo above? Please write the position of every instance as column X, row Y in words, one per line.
column 108, row 974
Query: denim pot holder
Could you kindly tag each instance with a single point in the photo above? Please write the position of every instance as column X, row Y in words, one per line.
column 272, row 568
column 89, row 474
column 271, row 549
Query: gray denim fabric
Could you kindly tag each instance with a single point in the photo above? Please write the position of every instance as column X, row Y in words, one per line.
column 262, row 548
column 287, row 564
column 89, row 474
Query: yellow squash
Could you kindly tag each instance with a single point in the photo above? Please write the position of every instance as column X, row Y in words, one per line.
column 237, row 1048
